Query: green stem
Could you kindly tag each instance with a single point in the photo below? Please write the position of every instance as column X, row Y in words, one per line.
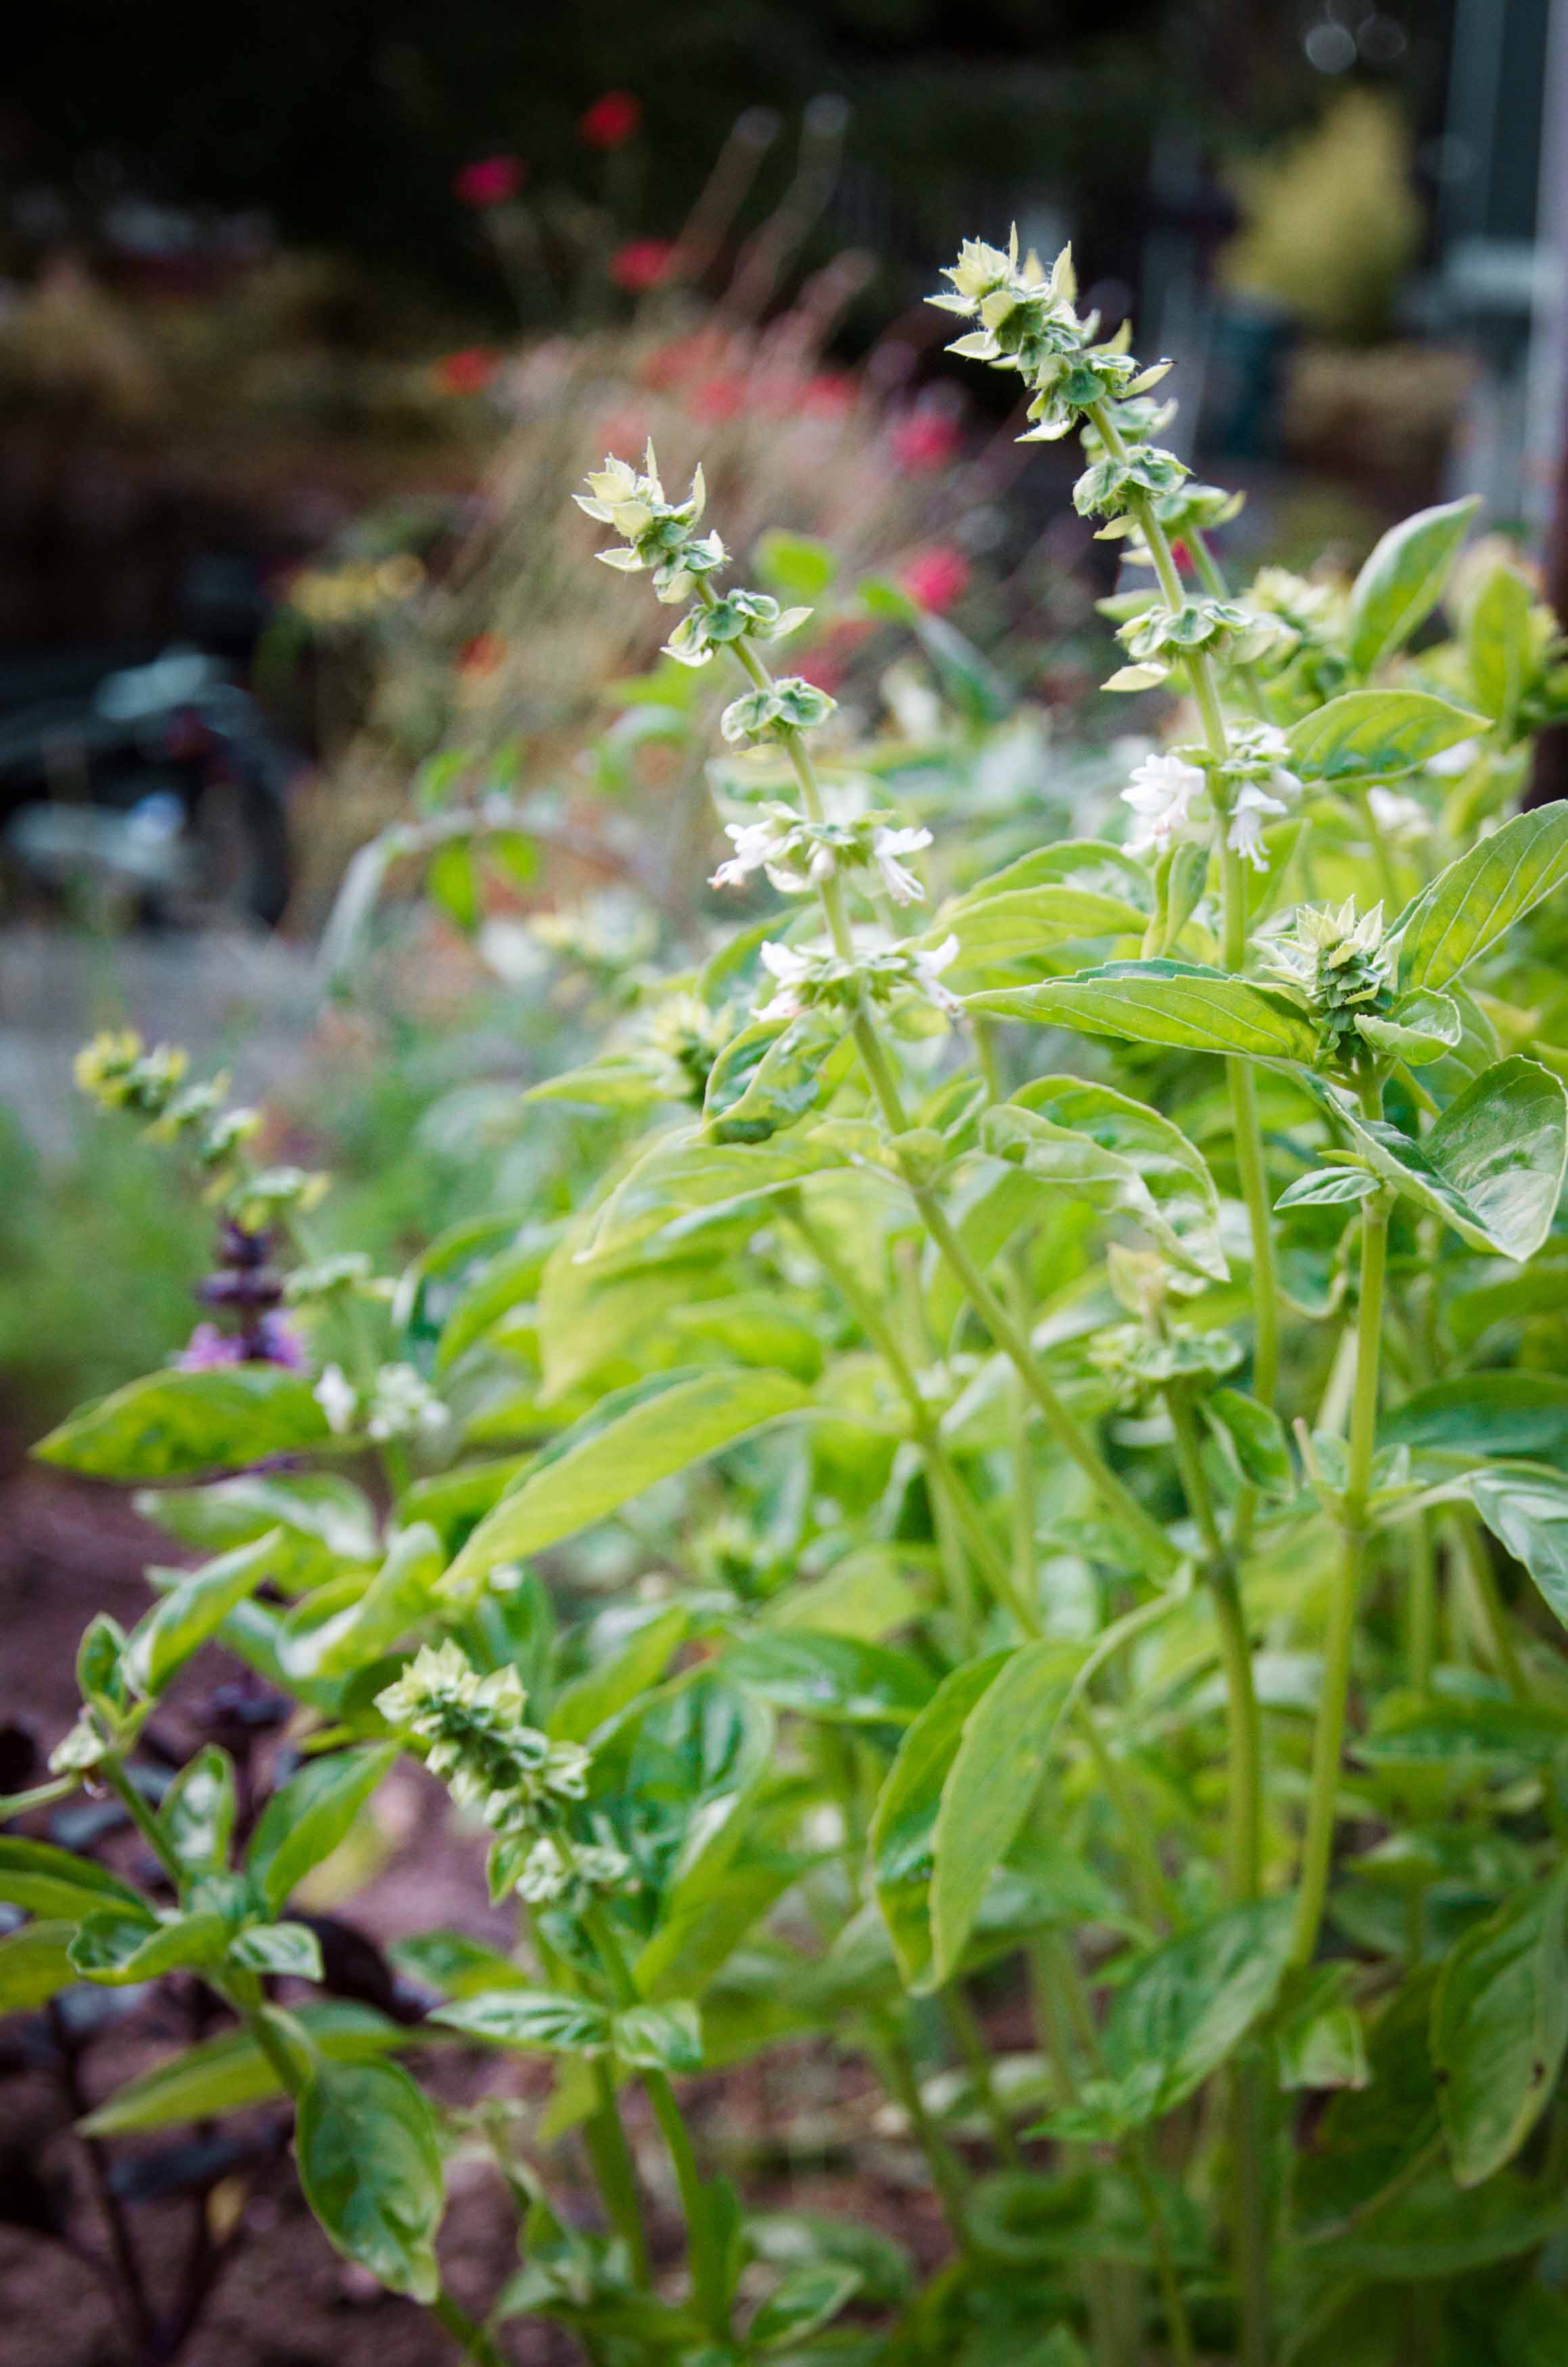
column 1250, row 1165
column 972, row 2045
column 1328, row 1741
column 892, row 2059
column 1245, row 1784
column 1177, row 2323
column 942, row 1470
column 615, row 2171
column 1421, row 1606
column 1117, row 1500
column 1156, row 1900
column 1470, row 1548
column 704, row 2250
column 464, row 2332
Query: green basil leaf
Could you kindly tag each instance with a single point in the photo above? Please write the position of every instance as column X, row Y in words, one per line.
column 176, row 1425
column 195, row 1815
column 991, row 1786
column 1500, row 2029
column 53, row 1881
column 177, row 1626
column 288, row 1948
column 225, row 2074
column 305, row 1821
column 1180, row 1003
column 1403, row 580
column 35, row 1964
column 1090, row 1139
column 903, row 1825
column 1498, row 642
column 1329, row 1187
column 594, row 1698
column 1469, row 907
column 114, row 1946
column 535, row 2022
column 1525, row 1508
column 805, row 2300
column 1491, row 1167
column 1523, row 1416
column 1375, row 735
column 633, row 1437
column 1188, row 2004
column 659, row 2037
column 369, row 2164
column 772, row 1076
column 834, row 1677
column 380, row 1616
column 1253, row 1439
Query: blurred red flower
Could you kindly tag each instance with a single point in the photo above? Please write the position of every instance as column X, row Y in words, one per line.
column 490, row 181
column 934, row 579
column 469, row 371
column 483, row 654
column 926, row 441
column 641, row 264
column 716, row 399
column 611, row 121
column 828, row 394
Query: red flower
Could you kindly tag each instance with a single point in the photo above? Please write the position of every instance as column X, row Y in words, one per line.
column 483, row 655
column 642, row 264
column 467, row 372
column 926, row 441
column 828, row 395
column 934, row 579
column 716, row 399
column 611, row 121
column 490, row 181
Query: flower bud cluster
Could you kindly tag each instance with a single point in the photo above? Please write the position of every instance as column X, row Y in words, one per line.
column 400, row 1403
column 471, row 1733
column 1341, row 967
column 799, row 854
column 813, row 977
column 685, row 1038
column 656, row 533
column 789, row 704
column 1028, row 321
column 1141, row 1361
column 731, row 617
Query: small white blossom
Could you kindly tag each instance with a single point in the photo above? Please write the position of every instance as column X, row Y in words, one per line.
column 887, row 848
column 754, row 844
column 1163, row 793
column 338, row 1399
column 1396, row 816
column 1245, row 835
column 791, row 969
column 930, row 967
column 1457, row 759
column 402, row 1404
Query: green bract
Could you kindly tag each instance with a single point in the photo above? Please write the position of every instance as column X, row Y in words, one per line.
column 991, row 1512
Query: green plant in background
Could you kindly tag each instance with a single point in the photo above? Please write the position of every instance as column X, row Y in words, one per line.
column 1029, row 1465
column 1329, row 224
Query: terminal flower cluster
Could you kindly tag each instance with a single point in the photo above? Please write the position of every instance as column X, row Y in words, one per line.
column 472, row 1733
column 1341, row 966
column 799, row 855
column 815, row 978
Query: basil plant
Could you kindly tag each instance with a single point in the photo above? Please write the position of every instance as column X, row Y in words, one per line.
column 1000, row 1523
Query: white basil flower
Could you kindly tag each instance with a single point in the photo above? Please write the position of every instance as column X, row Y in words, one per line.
column 338, row 1399
column 1163, row 792
column 1245, row 835
column 791, row 969
column 930, row 966
column 887, row 848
